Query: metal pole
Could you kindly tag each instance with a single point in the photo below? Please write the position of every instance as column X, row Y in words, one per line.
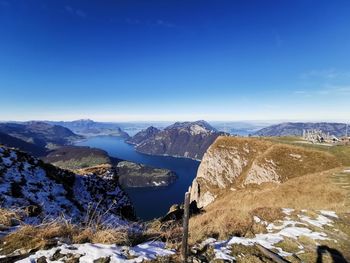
column 184, row 247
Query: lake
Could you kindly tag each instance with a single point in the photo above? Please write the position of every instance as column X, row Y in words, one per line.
column 150, row 203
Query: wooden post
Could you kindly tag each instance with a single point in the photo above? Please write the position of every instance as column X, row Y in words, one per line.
column 184, row 247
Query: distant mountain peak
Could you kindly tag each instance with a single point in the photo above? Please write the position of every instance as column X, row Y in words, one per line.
column 84, row 121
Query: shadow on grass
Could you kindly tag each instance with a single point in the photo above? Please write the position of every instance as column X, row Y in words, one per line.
column 337, row 257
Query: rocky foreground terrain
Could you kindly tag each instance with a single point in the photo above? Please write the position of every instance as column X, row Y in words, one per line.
column 182, row 139
column 47, row 192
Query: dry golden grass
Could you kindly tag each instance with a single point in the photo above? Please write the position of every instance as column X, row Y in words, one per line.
column 231, row 214
column 170, row 232
column 9, row 217
column 36, row 237
column 341, row 152
column 310, row 161
column 44, row 236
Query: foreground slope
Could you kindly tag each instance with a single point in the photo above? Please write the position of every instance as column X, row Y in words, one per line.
column 291, row 200
column 49, row 192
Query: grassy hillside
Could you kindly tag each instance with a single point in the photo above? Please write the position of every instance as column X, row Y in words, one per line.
column 341, row 152
column 74, row 157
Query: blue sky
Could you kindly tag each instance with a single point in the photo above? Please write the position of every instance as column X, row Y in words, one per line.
column 171, row 60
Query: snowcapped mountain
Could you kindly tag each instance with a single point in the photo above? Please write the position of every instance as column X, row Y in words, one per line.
column 47, row 192
column 183, row 139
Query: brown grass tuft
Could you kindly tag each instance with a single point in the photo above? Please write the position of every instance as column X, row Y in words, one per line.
column 9, row 217
column 268, row 214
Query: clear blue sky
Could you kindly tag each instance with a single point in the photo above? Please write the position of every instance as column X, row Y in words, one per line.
column 175, row 60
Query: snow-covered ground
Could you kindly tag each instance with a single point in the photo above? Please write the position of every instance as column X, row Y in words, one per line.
column 277, row 232
column 25, row 181
column 87, row 253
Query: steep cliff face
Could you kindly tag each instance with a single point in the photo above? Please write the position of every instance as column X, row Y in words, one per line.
column 231, row 163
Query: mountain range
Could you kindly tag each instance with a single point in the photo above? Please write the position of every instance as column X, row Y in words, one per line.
column 296, row 128
column 39, row 134
column 87, row 127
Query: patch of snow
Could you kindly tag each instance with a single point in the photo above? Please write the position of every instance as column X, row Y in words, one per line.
column 320, row 221
column 296, row 156
column 276, row 233
column 328, row 213
column 197, row 129
column 287, row 211
column 256, row 219
column 90, row 252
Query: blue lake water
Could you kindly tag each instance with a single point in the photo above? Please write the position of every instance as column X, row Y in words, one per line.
column 150, row 203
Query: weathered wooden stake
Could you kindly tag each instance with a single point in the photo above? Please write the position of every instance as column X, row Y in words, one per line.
column 184, row 247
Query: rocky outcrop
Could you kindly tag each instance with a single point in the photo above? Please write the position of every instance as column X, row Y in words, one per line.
column 28, row 182
column 138, row 175
column 182, row 139
column 232, row 163
column 296, row 128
